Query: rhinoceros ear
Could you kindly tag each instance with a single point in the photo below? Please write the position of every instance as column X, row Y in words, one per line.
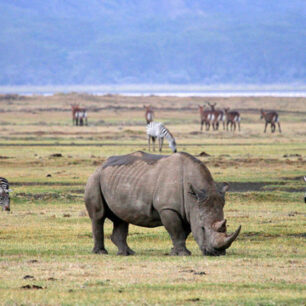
column 224, row 188
column 199, row 195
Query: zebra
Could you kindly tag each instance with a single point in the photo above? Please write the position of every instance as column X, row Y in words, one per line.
column 4, row 194
column 158, row 130
column 305, row 192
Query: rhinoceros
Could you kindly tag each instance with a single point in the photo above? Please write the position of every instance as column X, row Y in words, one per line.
column 176, row 191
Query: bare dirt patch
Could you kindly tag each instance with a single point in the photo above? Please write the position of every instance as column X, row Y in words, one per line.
column 295, row 178
column 4, row 157
column 260, row 186
column 44, row 184
column 47, row 196
column 36, row 287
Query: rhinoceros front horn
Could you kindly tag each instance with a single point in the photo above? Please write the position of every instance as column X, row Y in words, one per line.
column 228, row 240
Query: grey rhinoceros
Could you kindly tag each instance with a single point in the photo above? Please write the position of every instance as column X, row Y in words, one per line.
column 176, row 191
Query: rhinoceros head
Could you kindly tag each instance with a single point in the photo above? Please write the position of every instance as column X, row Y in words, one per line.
column 207, row 221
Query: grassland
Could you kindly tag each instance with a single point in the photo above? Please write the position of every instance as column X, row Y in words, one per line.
column 45, row 242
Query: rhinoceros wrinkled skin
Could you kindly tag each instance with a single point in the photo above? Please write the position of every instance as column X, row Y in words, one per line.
column 176, row 191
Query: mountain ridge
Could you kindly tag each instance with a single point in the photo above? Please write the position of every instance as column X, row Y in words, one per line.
column 176, row 42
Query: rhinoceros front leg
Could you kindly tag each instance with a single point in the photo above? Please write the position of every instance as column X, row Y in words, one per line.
column 173, row 224
column 119, row 236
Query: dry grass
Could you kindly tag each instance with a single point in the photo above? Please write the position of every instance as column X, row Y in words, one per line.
column 48, row 234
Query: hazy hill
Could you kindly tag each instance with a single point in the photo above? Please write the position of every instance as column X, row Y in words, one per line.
column 152, row 41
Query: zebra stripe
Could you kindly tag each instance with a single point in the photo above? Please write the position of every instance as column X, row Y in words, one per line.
column 4, row 183
column 4, row 194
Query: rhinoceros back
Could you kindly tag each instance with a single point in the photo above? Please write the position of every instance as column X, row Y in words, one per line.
column 128, row 184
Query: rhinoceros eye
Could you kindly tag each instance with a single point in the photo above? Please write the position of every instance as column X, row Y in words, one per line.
column 199, row 195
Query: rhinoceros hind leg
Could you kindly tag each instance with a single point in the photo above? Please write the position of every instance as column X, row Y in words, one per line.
column 98, row 233
column 119, row 236
column 178, row 233
column 96, row 209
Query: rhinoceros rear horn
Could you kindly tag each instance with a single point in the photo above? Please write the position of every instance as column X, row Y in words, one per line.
column 220, row 226
column 229, row 239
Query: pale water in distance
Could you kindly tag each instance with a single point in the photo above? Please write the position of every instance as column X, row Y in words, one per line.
column 162, row 90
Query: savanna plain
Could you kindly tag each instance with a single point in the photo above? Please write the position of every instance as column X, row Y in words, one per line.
column 46, row 239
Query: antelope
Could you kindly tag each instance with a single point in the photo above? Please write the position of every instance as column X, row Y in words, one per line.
column 74, row 109
column 232, row 117
column 82, row 116
column 207, row 117
column 149, row 114
column 272, row 118
column 218, row 116
column 79, row 115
